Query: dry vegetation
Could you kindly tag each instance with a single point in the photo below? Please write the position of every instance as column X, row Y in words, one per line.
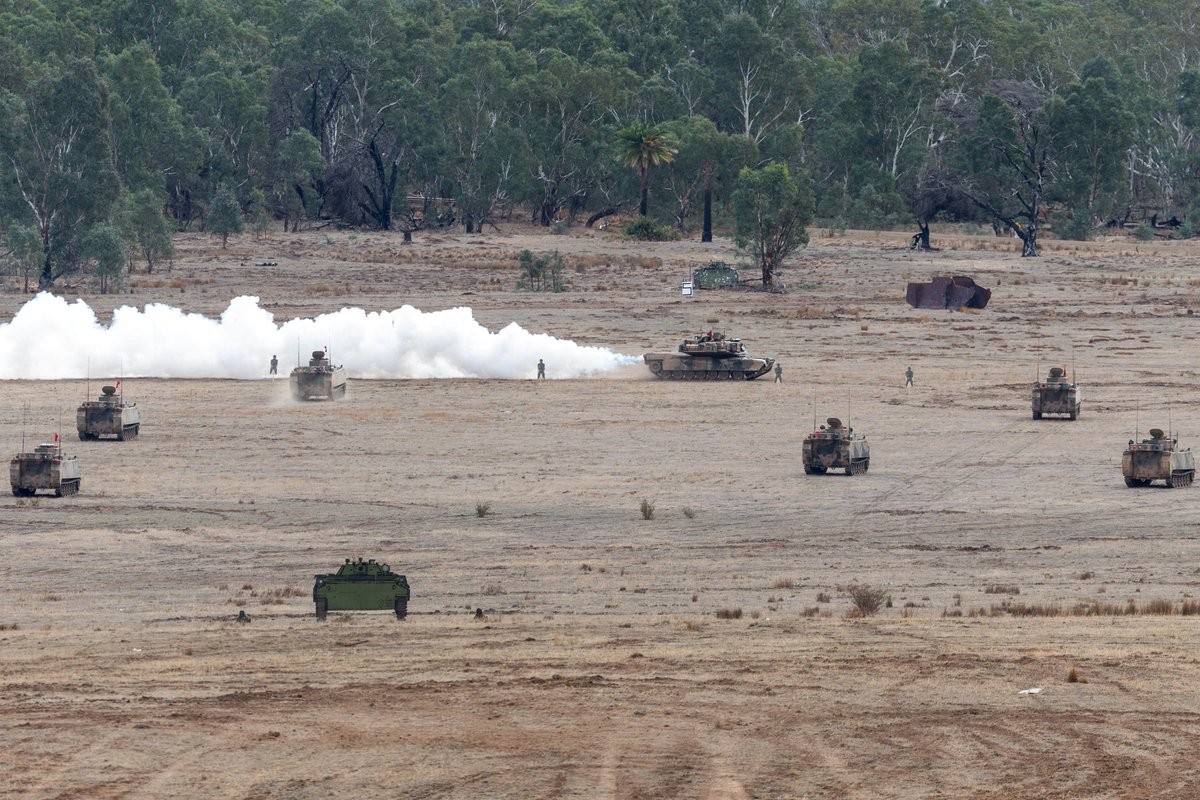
column 715, row 645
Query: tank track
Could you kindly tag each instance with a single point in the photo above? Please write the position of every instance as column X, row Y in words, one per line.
column 708, row 374
column 130, row 432
column 1180, row 479
column 67, row 488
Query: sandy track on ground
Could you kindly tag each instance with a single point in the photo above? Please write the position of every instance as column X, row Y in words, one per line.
column 601, row 669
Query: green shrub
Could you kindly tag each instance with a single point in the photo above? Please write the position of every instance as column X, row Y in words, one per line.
column 644, row 229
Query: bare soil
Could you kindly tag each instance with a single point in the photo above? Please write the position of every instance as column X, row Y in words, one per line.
column 601, row 668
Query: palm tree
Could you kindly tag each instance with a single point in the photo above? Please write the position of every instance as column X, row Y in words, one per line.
column 642, row 146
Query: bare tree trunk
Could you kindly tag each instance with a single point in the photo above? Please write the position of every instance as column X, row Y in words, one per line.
column 706, row 235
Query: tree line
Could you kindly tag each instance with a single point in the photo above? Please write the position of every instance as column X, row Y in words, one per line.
column 122, row 121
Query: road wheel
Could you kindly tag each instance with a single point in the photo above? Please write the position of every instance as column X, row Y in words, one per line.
column 1132, row 483
column 1037, row 415
column 322, row 608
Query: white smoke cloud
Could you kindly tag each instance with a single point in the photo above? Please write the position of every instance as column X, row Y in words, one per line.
column 49, row 338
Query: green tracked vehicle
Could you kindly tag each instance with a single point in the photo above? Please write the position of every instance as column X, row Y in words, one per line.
column 361, row 586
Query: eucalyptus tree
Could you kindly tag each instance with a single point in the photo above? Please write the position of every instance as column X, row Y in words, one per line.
column 773, row 209
column 56, row 146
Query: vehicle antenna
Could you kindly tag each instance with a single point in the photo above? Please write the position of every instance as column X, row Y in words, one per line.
column 814, row 412
column 297, row 351
column 1037, row 375
column 1169, row 428
column 847, row 411
column 1074, row 379
column 87, row 386
column 1137, row 408
column 24, row 417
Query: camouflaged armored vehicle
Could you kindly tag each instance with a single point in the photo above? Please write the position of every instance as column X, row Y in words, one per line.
column 1056, row 396
column 46, row 469
column 108, row 415
column 361, row 586
column 708, row 357
column 1157, row 459
column 834, row 446
column 320, row 380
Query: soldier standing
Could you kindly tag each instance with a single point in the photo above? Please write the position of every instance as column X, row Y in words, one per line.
column 908, row 376
column 541, row 370
column 274, row 365
column 778, row 372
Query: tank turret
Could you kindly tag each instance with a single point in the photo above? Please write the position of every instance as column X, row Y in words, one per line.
column 708, row 356
column 361, row 586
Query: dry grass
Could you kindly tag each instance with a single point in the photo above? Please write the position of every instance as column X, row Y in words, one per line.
column 729, row 613
column 1002, row 588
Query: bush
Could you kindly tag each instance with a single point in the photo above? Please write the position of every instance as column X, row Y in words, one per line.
column 541, row 273
column 644, row 229
column 1143, row 233
column 867, row 599
column 647, row 509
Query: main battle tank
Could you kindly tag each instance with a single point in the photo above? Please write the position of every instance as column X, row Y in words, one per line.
column 361, row 586
column 320, row 380
column 109, row 415
column 45, row 468
column 1056, row 396
column 834, row 446
column 1157, row 458
column 708, row 357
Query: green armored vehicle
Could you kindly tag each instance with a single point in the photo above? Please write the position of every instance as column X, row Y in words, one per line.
column 834, row 446
column 1157, row 458
column 109, row 415
column 45, row 468
column 361, row 586
column 708, row 357
column 1056, row 396
column 320, row 380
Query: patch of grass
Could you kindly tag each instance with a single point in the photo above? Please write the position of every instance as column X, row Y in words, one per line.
column 1085, row 576
column 1002, row 588
column 783, row 583
column 692, row 625
column 493, row 589
column 823, row 597
column 483, row 509
column 689, row 512
column 729, row 613
column 647, row 509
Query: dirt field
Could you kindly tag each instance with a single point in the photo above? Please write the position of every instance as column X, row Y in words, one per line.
column 602, row 669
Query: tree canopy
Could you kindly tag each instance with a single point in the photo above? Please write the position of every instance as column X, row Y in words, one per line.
column 382, row 114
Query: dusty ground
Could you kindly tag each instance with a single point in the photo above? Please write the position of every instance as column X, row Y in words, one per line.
column 602, row 669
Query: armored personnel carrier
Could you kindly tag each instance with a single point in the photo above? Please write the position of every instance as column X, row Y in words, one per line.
column 1157, row 458
column 109, row 415
column 834, row 446
column 1056, row 396
column 361, row 586
column 46, row 468
column 708, row 357
column 320, row 380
